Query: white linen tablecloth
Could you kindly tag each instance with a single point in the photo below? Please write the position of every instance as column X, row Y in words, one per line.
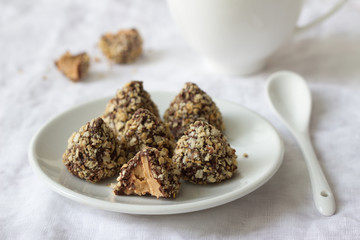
column 34, row 33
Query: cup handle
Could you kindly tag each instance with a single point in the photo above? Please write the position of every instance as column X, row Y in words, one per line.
column 320, row 19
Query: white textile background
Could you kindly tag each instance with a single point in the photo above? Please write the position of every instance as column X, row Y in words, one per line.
column 34, row 33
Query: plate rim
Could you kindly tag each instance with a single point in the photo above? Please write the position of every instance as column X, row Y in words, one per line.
column 142, row 209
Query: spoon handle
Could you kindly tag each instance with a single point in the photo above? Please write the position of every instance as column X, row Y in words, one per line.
column 323, row 196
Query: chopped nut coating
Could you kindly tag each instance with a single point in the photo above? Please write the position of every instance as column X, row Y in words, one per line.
column 190, row 105
column 143, row 130
column 122, row 47
column 94, row 153
column 127, row 100
column 204, row 155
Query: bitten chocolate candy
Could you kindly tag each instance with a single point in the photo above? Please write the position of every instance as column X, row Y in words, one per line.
column 122, row 47
column 149, row 173
column 74, row 67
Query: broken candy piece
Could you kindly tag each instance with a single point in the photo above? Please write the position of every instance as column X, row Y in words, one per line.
column 190, row 105
column 122, row 47
column 204, row 155
column 127, row 100
column 73, row 67
column 93, row 152
column 148, row 173
column 143, row 130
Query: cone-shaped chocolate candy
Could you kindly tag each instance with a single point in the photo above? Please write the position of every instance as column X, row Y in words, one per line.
column 190, row 105
column 143, row 130
column 93, row 152
column 204, row 155
column 127, row 100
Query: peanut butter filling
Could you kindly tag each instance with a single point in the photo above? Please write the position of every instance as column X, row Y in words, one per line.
column 144, row 182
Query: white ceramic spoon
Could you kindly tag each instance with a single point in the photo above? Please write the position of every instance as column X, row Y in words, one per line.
column 290, row 97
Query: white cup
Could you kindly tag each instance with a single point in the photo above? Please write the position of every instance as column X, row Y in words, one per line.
column 237, row 36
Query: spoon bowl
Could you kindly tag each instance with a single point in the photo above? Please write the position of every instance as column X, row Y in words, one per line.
column 291, row 99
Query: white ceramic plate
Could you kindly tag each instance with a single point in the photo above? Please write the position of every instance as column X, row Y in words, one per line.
column 247, row 132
